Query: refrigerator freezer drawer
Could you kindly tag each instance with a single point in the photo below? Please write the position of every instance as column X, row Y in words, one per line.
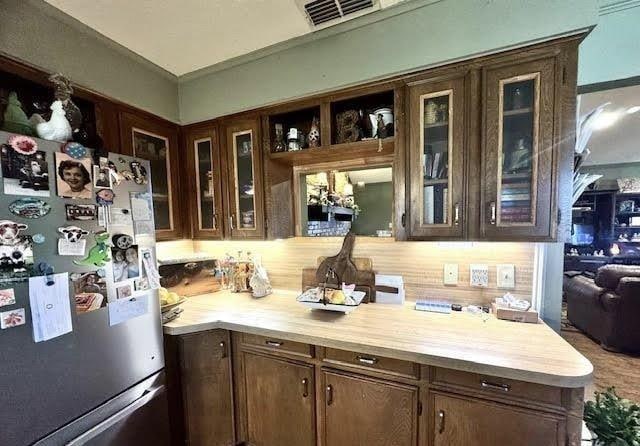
column 139, row 416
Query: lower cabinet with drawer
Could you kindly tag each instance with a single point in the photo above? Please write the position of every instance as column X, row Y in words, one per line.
column 292, row 393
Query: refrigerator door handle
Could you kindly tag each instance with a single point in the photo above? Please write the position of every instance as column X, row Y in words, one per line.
column 96, row 430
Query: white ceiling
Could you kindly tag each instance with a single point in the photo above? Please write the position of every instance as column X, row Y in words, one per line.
column 182, row 36
column 620, row 142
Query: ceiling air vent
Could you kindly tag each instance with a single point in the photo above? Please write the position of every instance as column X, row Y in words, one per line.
column 323, row 13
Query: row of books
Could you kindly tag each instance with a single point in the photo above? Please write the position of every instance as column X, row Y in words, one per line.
column 436, row 204
column 436, row 165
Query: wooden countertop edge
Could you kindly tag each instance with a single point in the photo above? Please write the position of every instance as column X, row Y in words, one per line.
column 575, row 381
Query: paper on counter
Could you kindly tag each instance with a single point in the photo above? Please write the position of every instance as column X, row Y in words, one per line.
column 50, row 307
column 122, row 310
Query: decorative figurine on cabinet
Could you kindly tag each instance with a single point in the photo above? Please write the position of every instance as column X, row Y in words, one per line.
column 15, row 119
column 279, row 145
column 313, row 138
column 62, row 92
column 57, row 128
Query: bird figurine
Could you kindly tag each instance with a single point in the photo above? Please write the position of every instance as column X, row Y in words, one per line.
column 57, row 128
column 15, row 119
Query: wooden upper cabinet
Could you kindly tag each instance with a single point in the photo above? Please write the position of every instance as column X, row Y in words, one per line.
column 518, row 195
column 245, row 210
column 465, row 421
column 280, row 401
column 202, row 147
column 156, row 141
column 436, row 154
column 367, row 411
column 206, row 388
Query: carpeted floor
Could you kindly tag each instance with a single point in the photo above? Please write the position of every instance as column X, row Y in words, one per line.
column 619, row 370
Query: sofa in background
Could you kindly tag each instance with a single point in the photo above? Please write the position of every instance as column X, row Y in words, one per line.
column 606, row 308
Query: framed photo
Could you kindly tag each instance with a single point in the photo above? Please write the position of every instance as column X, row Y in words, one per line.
column 101, row 177
column 626, row 206
column 124, row 291
column 126, row 263
column 73, row 177
column 24, row 174
column 90, row 291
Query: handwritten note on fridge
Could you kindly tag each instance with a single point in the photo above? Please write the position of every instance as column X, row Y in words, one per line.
column 50, row 306
column 122, row 310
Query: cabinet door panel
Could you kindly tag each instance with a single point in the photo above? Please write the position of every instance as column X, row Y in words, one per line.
column 206, row 388
column 463, row 422
column 436, row 159
column 156, row 142
column 280, row 402
column 206, row 183
column 244, row 167
column 519, row 151
column 365, row 411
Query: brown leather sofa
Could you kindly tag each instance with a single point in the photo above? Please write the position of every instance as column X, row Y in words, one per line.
column 607, row 308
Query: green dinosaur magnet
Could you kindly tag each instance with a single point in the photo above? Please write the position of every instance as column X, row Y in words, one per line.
column 98, row 254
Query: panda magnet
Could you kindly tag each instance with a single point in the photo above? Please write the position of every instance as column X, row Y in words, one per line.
column 72, row 241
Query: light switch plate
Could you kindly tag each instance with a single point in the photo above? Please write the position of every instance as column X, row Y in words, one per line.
column 506, row 276
column 450, row 274
column 479, row 275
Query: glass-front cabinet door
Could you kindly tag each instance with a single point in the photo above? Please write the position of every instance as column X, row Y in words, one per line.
column 436, row 159
column 518, row 150
column 156, row 142
column 204, row 156
column 246, row 209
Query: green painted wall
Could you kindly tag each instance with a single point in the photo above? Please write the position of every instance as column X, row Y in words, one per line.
column 376, row 203
column 37, row 33
column 612, row 50
column 432, row 34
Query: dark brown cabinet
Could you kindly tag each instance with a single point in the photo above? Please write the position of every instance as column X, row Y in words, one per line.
column 518, row 151
column 280, row 401
column 205, row 183
column 244, row 179
column 437, row 152
column 465, row 421
column 207, row 395
column 156, row 141
column 362, row 410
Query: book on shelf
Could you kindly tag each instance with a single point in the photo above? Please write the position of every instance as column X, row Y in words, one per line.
column 428, row 205
column 515, row 197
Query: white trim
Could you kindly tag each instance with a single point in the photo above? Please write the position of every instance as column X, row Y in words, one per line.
column 539, row 276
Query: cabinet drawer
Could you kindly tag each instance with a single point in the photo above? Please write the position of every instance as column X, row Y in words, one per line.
column 372, row 362
column 495, row 386
column 279, row 345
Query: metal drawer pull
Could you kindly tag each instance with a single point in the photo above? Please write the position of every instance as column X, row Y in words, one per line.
column 441, row 423
column 493, row 386
column 456, row 213
column 493, row 212
column 273, row 343
column 223, row 346
column 329, row 394
column 367, row 360
column 305, row 387
column 231, row 222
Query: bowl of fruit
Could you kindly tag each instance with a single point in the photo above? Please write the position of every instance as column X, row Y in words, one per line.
column 169, row 299
column 344, row 300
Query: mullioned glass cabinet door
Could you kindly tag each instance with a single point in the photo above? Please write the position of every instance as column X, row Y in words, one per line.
column 436, row 159
column 519, row 150
column 246, row 208
column 206, row 206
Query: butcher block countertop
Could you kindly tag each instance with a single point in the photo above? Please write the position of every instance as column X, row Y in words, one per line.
column 462, row 341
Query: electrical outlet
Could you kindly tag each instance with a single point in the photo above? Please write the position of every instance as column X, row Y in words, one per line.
column 506, row 276
column 479, row 275
column 450, row 274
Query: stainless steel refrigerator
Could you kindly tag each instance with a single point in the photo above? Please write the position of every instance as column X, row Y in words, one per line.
column 98, row 384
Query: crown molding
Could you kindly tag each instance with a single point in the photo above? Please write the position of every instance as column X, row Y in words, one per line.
column 613, row 6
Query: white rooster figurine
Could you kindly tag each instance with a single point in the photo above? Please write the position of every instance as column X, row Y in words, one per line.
column 57, row 128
